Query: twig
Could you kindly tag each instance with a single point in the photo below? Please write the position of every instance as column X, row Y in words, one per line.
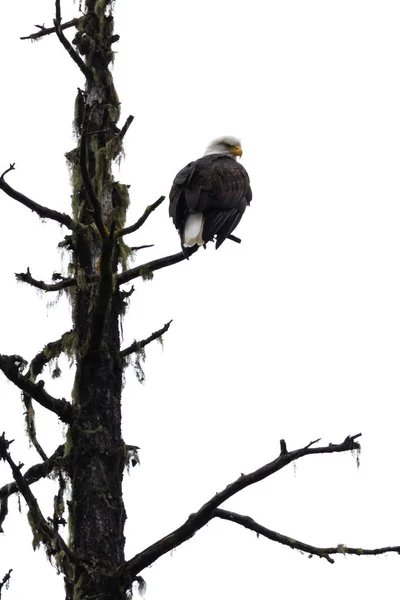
column 11, row 365
column 42, row 211
column 200, row 518
column 249, row 523
column 125, row 127
column 5, row 581
column 48, row 30
column 142, row 219
column 71, row 51
column 47, row 535
column 136, row 248
column 155, row 265
column 46, row 287
column 137, row 346
column 10, row 168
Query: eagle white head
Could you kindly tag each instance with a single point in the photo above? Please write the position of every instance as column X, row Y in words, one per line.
column 228, row 145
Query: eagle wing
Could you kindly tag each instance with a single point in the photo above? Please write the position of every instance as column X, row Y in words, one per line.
column 218, row 187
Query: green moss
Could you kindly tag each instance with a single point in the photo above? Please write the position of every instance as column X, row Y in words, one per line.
column 81, row 278
column 146, row 274
column 125, row 253
column 37, row 538
column 78, row 114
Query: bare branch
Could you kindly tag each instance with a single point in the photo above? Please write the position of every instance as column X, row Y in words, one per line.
column 46, row 533
column 48, row 30
column 249, row 523
column 33, row 474
column 71, row 51
column 46, row 287
column 155, row 265
column 142, row 219
column 58, row 12
column 200, row 518
column 11, row 365
column 42, row 211
column 126, row 125
column 137, row 346
column 5, row 581
column 136, row 248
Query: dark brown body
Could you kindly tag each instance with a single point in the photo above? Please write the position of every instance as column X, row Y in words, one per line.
column 215, row 185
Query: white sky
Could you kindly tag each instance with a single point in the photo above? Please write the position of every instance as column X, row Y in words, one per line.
column 295, row 333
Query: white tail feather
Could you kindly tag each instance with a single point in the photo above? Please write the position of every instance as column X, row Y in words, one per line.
column 193, row 231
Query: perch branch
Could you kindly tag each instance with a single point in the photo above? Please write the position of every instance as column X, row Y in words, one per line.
column 155, row 265
column 137, row 346
column 249, row 523
column 143, row 218
column 11, row 365
column 52, row 540
column 42, row 211
column 48, row 30
column 200, row 518
column 46, row 287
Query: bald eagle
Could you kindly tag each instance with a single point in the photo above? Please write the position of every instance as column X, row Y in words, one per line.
column 209, row 196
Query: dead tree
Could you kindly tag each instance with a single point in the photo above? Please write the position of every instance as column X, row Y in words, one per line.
column 93, row 456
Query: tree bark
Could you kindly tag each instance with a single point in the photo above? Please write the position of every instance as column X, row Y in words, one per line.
column 96, row 450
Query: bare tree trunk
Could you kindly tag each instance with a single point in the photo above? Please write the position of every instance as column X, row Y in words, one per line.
column 97, row 513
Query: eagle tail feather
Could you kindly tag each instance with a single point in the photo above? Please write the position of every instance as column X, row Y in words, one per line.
column 193, row 230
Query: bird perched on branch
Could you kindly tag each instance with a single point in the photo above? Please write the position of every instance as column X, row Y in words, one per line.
column 209, row 196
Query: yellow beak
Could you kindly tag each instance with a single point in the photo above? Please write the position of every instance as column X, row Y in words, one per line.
column 237, row 151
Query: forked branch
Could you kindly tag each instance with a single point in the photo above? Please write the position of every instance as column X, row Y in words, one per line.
column 43, row 211
column 33, row 474
column 45, row 287
column 48, row 30
column 71, row 51
column 200, row 518
column 44, row 531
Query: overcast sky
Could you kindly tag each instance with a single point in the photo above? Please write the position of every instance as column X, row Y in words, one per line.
column 293, row 334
